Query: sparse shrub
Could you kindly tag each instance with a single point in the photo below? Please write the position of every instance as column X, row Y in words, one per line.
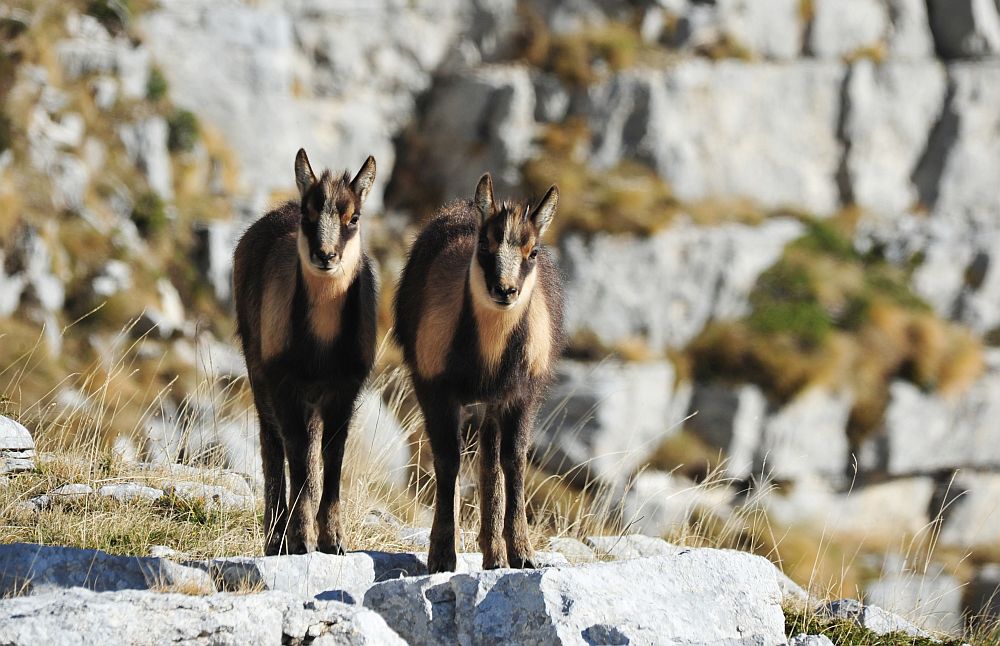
column 149, row 214
column 156, row 85
column 575, row 57
column 183, row 131
column 113, row 14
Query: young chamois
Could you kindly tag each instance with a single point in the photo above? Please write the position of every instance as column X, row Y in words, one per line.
column 479, row 317
column 305, row 295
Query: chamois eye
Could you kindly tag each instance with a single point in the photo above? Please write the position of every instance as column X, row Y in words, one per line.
column 534, row 253
column 484, row 246
column 354, row 220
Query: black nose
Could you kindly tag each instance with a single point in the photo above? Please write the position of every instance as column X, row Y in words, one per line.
column 326, row 257
column 504, row 293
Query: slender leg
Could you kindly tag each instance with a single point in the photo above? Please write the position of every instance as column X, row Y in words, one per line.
column 302, row 440
column 272, row 457
column 441, row 415
column 516, row 424
column 336, row 421
column 491, row 495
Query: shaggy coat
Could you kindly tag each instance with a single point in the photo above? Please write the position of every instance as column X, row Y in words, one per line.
column 305, row 295
column 480, row 319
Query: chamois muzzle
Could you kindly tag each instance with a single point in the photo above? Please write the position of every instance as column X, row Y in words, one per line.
column 325, row 260
column 504, row 296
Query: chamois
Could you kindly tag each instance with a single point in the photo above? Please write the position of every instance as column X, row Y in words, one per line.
column 479, row 317
column 305, row 295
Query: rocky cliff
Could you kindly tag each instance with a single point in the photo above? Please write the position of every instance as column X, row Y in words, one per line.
column 778, row 222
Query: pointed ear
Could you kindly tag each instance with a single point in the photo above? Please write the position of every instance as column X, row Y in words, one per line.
column 484, row 197
column 542, row 216
column 363, row 181
column 304, row 177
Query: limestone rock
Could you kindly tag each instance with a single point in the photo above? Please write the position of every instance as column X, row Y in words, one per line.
column 213, row 497
column 983, row 596
column 574, row 550
column 378, row 440
column 73, row 491
column 17, row 448
column 129, row 491
column 483, row 119
column 841, row 28
column 657, row 502
column 965, row 28
column 730, row 130
column 872, row 618
column 971, row 520
column 964, row 157
column 631, row 546
column 932, row 600
column 730, row 418
column 712, row 270
column 693, row 596
column 115, row 276
column 601, row 420
column 891, row 109
column 136, row 617
column 146, row 146
column 807, row 437
column 910, row 35
column 954, row 431
column 35, row 569
column 771, row 29
column 810, row 640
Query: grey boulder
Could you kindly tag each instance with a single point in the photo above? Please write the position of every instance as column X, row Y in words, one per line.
column 135, row 617
column 692, row 597
column 17, row 448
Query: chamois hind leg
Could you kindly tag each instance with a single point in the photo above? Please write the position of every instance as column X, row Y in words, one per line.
column 491, row 495
column 272, row 456
column 336, row 421
column 515, row 435
column 301, row 431
column 441, row 418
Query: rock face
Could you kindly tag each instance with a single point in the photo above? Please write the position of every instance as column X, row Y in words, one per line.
column 972, row 520
column 932, row 600
column 17, row 448
column 957, row 431
column 965, row 28
column 134, row 617
column 727, row 130
column 38, row 569
column 602, row 420
column 841, row 28
column 730, row 418
column 719, row 597
column 712, row 270
column 657, row 502
column 808, row 436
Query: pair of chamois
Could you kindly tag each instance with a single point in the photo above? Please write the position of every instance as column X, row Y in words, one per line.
column 479, row 318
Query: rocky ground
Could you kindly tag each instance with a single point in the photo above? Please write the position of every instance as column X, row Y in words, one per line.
column 778, row 232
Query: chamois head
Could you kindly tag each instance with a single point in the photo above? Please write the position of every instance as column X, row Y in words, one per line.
column 509, row 236
column 331, row 212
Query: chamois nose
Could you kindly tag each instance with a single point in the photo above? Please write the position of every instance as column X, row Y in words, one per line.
column 326, row 257
column 504, row 294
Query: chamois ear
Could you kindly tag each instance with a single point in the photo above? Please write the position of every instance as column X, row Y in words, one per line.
column 484, row 197
column 304, row 177
column 362, row 182
column 542, row 216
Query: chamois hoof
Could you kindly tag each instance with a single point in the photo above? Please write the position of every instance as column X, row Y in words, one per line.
column 301, row 547
column 494, row 564
column 336, row 547
column 441, row 563
column 523, row 563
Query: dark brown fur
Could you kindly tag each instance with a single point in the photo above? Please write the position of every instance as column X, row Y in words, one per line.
column 308, row 338
column 509, row 374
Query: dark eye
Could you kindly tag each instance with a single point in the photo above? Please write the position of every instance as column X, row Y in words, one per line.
column 534, row 253
column 354, row 220
column 484, row 246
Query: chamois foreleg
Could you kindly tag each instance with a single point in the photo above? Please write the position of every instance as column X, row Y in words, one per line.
column 516, row 422
column 272, row 454
column 491, row 507
column 441, row 416
column 301, row 432
column 336, row 421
